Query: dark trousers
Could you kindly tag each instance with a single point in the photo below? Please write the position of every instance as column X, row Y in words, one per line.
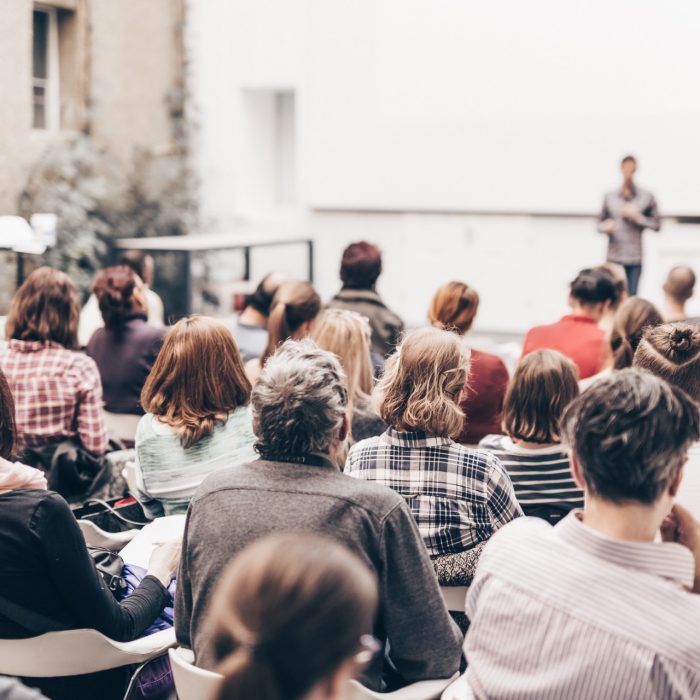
column 633, row 272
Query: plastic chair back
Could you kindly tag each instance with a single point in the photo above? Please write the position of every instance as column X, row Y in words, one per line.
column 191, row 683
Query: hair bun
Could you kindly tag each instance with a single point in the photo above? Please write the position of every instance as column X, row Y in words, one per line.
column 681, row 339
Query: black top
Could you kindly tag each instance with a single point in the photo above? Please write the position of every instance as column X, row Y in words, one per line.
column 45, row 567
column 125, row 358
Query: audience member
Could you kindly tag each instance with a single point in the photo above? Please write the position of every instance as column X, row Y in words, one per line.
column 48, row 580
column 453, row 308
column 678, row 288
column 458, row 496
column 198, row 419
column 359, row 270
column 126, row 347
column 543, row 385
column 347, row 335
column 292, row 313
column 291, row 618
column 300, row 421
column 142, row 264
column 578, row 335
column 595, row 607
column 249, row 328
column 57, row 390
column 617, row 272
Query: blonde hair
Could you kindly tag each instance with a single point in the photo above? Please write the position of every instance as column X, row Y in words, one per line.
column 347, row 335
column 454, row 307
column 422, row 382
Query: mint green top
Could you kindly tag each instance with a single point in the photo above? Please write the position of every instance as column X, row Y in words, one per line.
column 168, row 474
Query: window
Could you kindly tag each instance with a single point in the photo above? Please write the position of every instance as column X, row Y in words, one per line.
column 45, row 97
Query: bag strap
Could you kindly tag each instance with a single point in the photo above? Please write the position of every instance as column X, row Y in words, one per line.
column 28, row 619
column 113, row 511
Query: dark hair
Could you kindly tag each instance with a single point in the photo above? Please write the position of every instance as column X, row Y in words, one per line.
column 680, row 283
column 361, row 265
column 617, row 272
column 594, row 286
column 627, row 159
column 543, row 385
column 672, row 352
column 287, row 613
column 630, row 322
column 630, row 432
column 136, row 260
column 8, row 430
column 197, row 379
column 45, row 308
column 114, row 289
column 264, row 293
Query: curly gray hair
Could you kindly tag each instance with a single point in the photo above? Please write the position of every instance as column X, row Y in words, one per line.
column 299, row 401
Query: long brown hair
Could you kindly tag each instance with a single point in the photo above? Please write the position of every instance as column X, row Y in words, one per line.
column 633, row 317
column 197, row 378
column 287, row 613
column 543, row 385
column 294, row 304
column 45, row 308
column 454, row 307
column 8, row 431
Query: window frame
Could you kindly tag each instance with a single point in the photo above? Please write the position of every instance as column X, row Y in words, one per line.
column 51, row 83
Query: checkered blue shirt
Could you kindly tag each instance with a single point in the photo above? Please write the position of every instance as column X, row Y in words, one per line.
column 458, row 496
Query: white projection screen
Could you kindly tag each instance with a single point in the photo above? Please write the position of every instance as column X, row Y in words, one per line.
column 505, row 106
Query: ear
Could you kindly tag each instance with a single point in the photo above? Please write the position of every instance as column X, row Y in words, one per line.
column 576, row 471
column 344, row 428
column 677, row 479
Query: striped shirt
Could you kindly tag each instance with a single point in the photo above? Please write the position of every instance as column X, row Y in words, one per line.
column 458, row 496
column 541, row 476
column 168, row 474
column 566, row 612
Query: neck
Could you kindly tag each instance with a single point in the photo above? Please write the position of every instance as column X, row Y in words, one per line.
column 674, row 310
column 252, row 317
column 533, row 445
column 630, row 522
column 580, row 310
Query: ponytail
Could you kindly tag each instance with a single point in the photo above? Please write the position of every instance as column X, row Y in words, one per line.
column 277, row 329
column 246, row 675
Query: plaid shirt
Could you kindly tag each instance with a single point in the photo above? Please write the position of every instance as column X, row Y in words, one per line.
column 57, row 392
column 458, row 496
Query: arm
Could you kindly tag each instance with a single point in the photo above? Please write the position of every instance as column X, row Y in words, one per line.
column 650, row 218
column 500, row 497
column 424, row 643
column 91, row 426
column 604, row 219
column 79, row 586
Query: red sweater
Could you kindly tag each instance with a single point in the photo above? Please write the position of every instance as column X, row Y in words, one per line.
column 577, row 337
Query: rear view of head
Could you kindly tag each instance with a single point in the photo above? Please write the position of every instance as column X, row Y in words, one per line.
column 140, row 262
column 630, row 433
column 361, row 265
column 197, row 378
column 672, row 352
column 45, row 308
column 347, row 335
column 300, row 402
column 422, row 383
column 617, row 272
column 288, row 617
column 680, row 283
column 543, row 385
column 119, row 293
column 631, row 320
column 454, row 307
column 592, row 292
column 264, row 293
column 292, row 312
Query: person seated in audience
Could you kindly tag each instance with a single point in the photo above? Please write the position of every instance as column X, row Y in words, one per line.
column 58, row 391
column 142, row 264
column 294, row 308
column 453, row 308
column 249, row 328
column 617, row 272
column 197, row 421
column 126, row 347
column 360, row 268
column 544, row 384
column 347, row 335
column 291, row 617
column 300, row 420
column 578, row 335
column 47, row 578
column 633, row 317
column 458, row 496
column 678, row 288
column 594, row 607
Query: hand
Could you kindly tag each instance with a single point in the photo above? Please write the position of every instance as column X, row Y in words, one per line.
column 629, row 211
column 164, row 561
column 608, row 226
column 681, row 527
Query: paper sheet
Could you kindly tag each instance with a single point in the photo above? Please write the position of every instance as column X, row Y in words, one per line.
column 138, row 551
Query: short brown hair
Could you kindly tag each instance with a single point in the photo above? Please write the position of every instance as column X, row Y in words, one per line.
column 672, row 352
column 8, row 430
column 543, row 385
column 361, row 265
column 197, row 378
column 422, row 383
column 680, row 283
column 45, row 308
column 631, row 320
column 454, row 307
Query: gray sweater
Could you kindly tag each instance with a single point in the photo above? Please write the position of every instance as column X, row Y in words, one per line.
column 233, row 508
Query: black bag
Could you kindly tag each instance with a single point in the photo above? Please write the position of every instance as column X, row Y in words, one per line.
column 110, row 566
column 116, row 515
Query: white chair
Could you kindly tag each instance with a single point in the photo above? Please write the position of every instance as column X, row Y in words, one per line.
column 129, row 474
column 455, row 597
column 422, row 690
column 75, row 652
column 459, row 690
column 122, row 425
column 97, row 537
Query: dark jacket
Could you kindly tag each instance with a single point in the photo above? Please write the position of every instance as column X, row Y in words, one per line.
column 235, row 507
column 124, row 358
column 386, row 325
